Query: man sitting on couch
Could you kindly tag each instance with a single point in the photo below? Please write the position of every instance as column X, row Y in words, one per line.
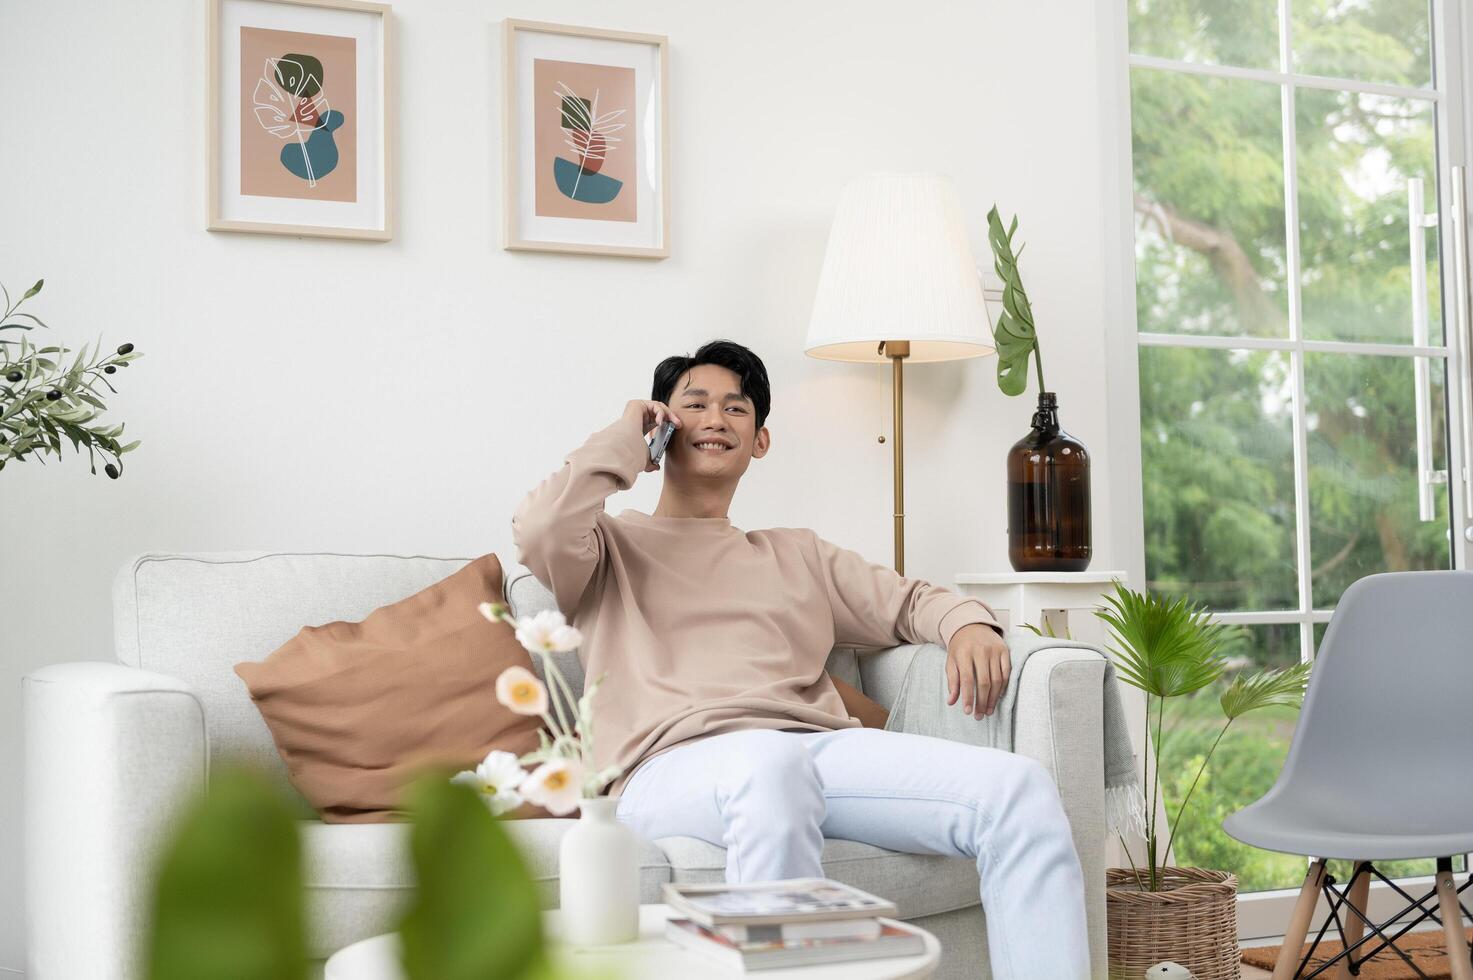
column 712, row 642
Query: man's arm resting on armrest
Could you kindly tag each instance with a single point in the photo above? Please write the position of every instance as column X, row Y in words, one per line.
column 876, row 607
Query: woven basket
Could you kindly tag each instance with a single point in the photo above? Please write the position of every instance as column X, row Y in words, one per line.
column 1193, row 921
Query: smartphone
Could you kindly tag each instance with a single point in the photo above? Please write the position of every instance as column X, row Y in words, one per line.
column 659, row 440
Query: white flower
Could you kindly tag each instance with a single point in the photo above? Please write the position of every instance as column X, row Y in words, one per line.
column 496, row 779
column 556, row 785
column 492, row 611
column 548, row 632
column 520, row 690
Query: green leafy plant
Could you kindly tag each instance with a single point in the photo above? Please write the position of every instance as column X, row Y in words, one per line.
column 475, row 914
column 1047, row 630
column 228, row 901
column 1170, row 648
column 228, row 895
column 1013, row 333
column 42, row 399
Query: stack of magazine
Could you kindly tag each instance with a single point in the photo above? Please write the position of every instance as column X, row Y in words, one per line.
column 765, row 925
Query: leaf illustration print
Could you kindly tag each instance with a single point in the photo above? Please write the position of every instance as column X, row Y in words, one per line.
column 590, row 135
column 289, row 105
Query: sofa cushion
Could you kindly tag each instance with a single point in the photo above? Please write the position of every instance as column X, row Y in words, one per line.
column 918, row 884
column 359, row 878
column 358, row 881
column 357, row 710
column 194, row 616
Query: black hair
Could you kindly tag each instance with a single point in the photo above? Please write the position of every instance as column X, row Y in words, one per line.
column 722, row 353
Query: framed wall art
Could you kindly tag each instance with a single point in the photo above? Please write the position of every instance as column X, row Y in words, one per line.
column 300, row 123
column 585, row 125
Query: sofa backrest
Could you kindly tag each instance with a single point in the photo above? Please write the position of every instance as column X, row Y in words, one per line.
column 527, row 597
column 194, row 616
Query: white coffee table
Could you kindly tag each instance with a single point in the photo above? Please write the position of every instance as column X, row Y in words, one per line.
column 651, row 957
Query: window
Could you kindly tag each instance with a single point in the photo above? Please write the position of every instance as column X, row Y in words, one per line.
column 1289, row 181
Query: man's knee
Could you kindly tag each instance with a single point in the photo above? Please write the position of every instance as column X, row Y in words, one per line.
column 1033, row 776
column 1033, row 800
column 768, row 765
column 1015, row 789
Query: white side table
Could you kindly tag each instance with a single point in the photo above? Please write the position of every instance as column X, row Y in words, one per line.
column 1042, row 599
column 650, row 957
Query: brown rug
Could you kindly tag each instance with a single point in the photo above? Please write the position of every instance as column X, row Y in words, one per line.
column 1425, row 949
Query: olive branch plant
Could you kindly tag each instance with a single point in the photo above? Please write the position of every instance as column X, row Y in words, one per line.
column 42, row 399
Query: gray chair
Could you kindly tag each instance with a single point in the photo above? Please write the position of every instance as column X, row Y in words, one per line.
column 1379, row 767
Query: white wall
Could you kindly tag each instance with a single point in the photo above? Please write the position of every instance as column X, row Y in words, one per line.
column 302, row 394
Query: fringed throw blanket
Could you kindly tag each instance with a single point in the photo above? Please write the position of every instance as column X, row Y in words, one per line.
column 921, row 709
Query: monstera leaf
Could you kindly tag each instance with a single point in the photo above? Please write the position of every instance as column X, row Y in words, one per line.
column 288, row 97
column 1013, row 333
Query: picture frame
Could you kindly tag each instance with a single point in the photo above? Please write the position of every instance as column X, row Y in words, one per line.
column 585, row 140
column 300, row 119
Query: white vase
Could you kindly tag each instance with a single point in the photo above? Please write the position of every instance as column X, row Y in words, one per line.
column 598, row 871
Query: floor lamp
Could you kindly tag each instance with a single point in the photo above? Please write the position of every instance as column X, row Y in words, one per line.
column 898, row 284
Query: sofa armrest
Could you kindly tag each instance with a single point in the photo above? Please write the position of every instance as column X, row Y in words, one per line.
column 1059, row 719
column 882, row 672
column 111, row 752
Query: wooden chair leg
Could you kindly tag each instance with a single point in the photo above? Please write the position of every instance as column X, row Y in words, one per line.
column 1452, row 926
column 1355, row 927
column 1287, row 965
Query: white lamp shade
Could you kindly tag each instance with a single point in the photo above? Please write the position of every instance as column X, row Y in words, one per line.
column 898, row 267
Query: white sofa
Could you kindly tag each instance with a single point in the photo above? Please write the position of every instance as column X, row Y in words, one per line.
column 112, row 748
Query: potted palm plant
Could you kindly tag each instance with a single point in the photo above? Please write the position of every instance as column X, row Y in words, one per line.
column 1171, row 648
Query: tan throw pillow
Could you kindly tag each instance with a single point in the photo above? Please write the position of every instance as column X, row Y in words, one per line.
column 869, row 713
column 357, row 710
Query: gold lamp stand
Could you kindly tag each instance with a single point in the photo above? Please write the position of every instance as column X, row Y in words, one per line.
column 898, row 261
column 898, row 351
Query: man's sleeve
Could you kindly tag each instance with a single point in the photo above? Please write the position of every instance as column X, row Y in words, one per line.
column 555, row 527
column 875, row 607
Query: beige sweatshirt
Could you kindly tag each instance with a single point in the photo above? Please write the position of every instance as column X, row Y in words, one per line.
column 700, row 628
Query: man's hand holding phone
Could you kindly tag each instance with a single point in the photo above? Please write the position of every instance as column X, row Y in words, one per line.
column 652, row 417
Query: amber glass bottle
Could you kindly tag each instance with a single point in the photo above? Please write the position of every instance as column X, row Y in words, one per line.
column 1048, row 497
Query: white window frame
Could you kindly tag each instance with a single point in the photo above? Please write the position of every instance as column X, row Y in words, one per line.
column 1262, row 915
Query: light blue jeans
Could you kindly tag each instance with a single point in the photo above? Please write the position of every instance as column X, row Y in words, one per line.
column 771, row 797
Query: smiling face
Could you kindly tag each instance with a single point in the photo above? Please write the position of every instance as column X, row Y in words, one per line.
column 718, row 435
